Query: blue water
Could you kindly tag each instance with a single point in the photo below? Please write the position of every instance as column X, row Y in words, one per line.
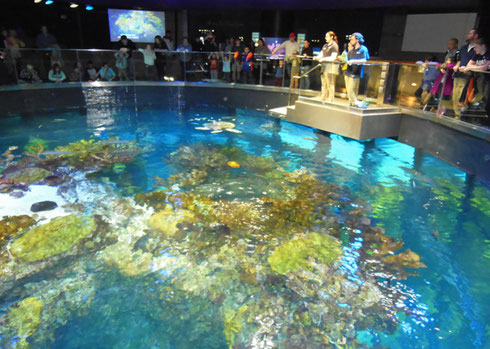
column 438, row 211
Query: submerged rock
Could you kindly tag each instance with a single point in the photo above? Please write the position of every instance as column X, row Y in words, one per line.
column 43, row 206
column 166, row 221
column 25, row 317
column 11, row 225
column 295, row 254
column 50, row 239
column 29, row 175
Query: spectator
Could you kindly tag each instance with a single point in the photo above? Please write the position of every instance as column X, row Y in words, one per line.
column 76, row 73
column 198, row 44
column 160, row 48
column 291, row 47
column 452, row 50
column 210, row 44
column 29, row 75
column 185, row 57
column 106, row 73
column 355, row 57
column 213, row 65
column 56, row 74
column 460, row 77
column 442, row 85
column 90, row 72
column 236, row 65
column 327, row 56
column 122, row 63
column 307, row 53
column 14, row 44
column 262, row 51
column 429, row 67
column 247, row 66
column 3, row 38
column 480, row 62
column 226, row 66
column 129, row 46
column 45, row 40
column 279, row 74
column 168, row 40
column 229, row 44
column 295, row 70
column 149, row 58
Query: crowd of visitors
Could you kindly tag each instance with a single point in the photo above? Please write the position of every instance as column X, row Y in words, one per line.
column 456, row 84
column 461, row 81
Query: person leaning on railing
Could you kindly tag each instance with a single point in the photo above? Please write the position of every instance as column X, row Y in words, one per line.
column 329, row 53
column 481, row 63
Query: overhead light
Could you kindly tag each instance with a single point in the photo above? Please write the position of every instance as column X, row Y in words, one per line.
column 48, row 2
column 37, row 1
column 73, row 5
column 89, row 7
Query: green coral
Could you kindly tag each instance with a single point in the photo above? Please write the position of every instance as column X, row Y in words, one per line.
column 57, row 236
column 25, row 317
column 295, row 254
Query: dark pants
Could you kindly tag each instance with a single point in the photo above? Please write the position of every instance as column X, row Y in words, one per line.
column 247, row 77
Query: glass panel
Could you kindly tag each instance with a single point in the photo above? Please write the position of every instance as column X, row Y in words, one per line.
column 92, row 60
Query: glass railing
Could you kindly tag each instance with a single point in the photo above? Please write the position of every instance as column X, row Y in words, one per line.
column 428, row 88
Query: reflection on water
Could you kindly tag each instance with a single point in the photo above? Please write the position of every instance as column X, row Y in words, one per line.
column 216, row 229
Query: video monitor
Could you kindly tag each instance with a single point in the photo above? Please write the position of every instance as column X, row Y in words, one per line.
column 272, row 43
column 139, row 26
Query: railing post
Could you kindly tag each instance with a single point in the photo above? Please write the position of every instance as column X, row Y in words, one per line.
column 260, row 73
column 79, row 66
column 14, row 65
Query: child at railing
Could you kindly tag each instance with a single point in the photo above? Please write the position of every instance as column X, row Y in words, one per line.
column 442, row 85
column 213, row 65
column 122, row 63
column 430, row 71
column 279, row 73
column 149, row 58
column 106, row 73
column 247, row 66
column 226, row 67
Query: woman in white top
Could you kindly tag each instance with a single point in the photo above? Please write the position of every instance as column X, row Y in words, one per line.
column 328, row 54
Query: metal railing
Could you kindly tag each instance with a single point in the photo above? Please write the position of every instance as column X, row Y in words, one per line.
column 383, row 83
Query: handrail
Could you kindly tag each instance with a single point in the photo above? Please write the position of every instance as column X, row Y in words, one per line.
column 309, row 71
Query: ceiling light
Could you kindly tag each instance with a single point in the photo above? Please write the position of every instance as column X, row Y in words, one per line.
column 73, row 5
column 48, row 2
column 89, row 7
column 37, row 1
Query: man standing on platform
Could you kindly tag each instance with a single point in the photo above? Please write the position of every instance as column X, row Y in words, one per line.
column 355, row 57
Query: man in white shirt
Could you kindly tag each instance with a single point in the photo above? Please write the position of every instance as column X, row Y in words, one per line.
column 291, row 47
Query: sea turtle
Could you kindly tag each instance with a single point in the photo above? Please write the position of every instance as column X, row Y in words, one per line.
column 219, row 126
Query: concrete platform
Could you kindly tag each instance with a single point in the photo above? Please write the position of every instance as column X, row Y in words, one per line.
column 372, row 122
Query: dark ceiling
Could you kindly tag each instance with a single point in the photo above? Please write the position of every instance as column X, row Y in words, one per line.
column 280, row 4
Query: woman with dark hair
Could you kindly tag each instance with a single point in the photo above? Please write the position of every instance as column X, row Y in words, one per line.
column 261, row 53
column 327, row 56
column 56, row 74
column 160, row 47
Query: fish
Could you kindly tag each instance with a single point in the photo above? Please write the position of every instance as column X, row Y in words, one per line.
column 202, row 128
column 233, row 164
column 56, row 153
column 217, row 131
column 233, row 130
column 59, row 120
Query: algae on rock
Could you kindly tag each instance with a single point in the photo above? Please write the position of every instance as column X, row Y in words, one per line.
column 12, row 224
column 47, row 240
column 25, row 317
column 296, row 253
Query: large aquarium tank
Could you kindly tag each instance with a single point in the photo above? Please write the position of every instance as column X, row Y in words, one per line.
column 206, row 227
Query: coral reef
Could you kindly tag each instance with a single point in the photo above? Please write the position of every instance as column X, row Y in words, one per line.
column 47, row 240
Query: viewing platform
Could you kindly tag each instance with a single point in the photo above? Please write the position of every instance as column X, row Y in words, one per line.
column 372, row 122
